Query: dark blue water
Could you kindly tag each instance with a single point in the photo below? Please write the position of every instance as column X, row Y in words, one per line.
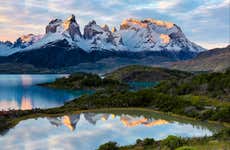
column 22, row 92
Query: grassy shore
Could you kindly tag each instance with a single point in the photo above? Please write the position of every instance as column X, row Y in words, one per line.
column 219, row 141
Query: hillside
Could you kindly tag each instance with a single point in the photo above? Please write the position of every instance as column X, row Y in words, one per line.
column 213, row 60
column 214, row 85
column 202, row 96
column 145, row 74
column 86, row 81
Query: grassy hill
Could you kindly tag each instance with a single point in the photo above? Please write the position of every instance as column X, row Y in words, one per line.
column 145, row 74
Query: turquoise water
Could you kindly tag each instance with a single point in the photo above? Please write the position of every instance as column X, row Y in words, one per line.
column 86, row 131
column 21, row 92
column 141, row 85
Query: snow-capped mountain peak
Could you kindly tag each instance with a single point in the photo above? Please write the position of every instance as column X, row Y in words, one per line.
column 154, row 35
column 133, row 35
column 68, row 27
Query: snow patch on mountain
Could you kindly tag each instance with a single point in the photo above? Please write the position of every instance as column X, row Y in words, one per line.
column 133, row 35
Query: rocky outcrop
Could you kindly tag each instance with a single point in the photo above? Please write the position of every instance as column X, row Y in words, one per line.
column 92, row 29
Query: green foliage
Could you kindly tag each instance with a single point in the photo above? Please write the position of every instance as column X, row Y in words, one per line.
column 193, row 106
column 85, row 81
column 173, row 142
column 145, row 142
column 109, row 146
column 216, row 85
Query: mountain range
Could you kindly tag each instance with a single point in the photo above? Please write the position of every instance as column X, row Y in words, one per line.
column 64, row 47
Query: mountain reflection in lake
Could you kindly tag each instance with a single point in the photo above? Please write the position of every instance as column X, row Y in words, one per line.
column 86, row 131
column 21, row 92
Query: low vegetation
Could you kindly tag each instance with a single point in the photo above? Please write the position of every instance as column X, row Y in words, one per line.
column 215, row 85
column 191, row 106
column 145, row 74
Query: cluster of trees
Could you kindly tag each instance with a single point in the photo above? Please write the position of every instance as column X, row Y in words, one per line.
column 85, row 81
column 216, row 85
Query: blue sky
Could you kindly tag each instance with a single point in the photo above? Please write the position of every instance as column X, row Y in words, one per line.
column 206, row 22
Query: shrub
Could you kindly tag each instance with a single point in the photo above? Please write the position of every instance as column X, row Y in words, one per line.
column 173, row 142
column 109, row 146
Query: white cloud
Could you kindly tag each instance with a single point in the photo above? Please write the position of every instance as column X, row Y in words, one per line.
column 211, row 45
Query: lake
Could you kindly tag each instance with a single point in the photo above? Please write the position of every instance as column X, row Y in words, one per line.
column 22, row 92
column 88, row 130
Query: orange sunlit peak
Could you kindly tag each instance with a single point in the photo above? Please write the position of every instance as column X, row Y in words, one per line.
column 166, row 24
column 133, row 21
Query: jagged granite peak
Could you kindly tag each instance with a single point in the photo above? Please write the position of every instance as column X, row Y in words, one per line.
column 52, row 26
column 68, row 27
column 92, row 29
column 98, row 37
column 72, row 27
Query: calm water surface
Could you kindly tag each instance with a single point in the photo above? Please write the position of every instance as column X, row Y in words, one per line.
column 21, row 92
column 86, row 131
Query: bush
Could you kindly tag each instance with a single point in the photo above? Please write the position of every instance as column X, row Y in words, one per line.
column 109, row 146
column 173, row 142
column 148, row 141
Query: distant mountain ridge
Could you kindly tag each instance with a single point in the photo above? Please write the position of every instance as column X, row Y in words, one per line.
column 217, row 59
column 63, row 44
column 133, row 35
